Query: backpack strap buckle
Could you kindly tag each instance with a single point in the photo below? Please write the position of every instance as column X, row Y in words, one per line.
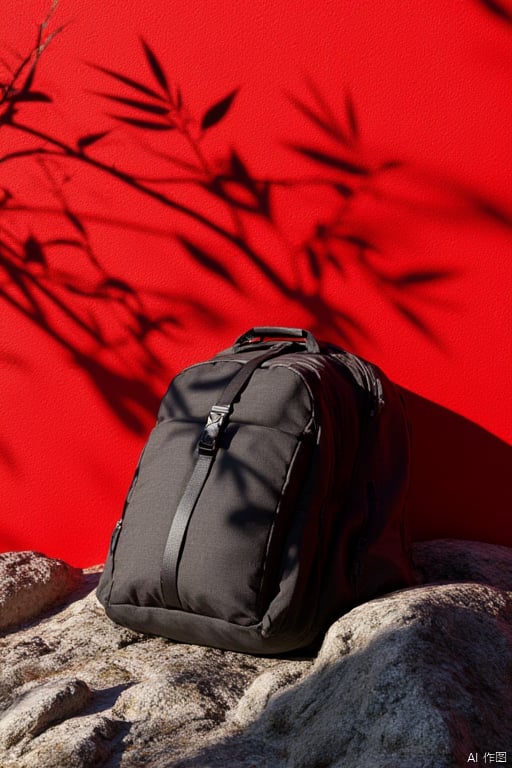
column 214, row 427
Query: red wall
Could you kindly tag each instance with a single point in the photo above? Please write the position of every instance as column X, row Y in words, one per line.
column 358, row 184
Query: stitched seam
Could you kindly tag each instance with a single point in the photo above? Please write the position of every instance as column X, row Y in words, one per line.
column 300, row 443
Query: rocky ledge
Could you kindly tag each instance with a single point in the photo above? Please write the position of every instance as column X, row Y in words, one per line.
column 421, row 678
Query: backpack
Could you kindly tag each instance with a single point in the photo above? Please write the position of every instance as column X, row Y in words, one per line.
column 269, row 499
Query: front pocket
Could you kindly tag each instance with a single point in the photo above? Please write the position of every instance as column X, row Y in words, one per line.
column 233, row 543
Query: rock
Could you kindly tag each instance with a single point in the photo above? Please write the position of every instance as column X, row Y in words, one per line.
column 420, row 678
column 148, row 698
column 30, row 583
column 76, row 743
column 256, row 698
column 448, row 561
column 41, row 706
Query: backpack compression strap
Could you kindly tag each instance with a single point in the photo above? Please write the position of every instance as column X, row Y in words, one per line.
column 206, row 451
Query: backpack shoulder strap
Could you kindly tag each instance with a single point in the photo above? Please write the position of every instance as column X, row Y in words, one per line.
column 206, row 451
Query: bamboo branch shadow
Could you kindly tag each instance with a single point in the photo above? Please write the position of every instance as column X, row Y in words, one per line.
column 233, row 205
column 159, row 106
column 96, row 318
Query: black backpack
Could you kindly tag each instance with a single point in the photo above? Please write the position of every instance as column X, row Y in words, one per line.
column 268, row 500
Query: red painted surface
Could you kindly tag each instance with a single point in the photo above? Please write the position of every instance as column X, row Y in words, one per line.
column 119, row 267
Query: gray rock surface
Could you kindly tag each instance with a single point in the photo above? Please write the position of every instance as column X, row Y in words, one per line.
column 30, row 583
column 417, row 679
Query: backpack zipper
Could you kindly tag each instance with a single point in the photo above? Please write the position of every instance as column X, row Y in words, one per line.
column 374, row 385
column 115, row 536
column 367, row 376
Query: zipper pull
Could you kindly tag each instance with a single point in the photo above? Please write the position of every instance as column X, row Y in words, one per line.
column 378, row 396
column 115, row 536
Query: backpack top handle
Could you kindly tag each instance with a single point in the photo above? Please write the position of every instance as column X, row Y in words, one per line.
column 261, row 332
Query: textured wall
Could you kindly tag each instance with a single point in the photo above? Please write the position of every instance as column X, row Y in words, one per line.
column 343, row 166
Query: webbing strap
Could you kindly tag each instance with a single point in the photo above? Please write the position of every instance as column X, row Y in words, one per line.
column 206, row 451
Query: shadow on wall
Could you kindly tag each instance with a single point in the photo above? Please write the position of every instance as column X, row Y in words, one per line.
column 58, row 282
column 500, row 10
column 236, row 220
column 460, row 480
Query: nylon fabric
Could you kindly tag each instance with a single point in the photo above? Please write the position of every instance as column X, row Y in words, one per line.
column 300, row 515
column 207, row 451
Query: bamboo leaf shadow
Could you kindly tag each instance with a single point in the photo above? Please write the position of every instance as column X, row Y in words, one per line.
column 90, row 139
column 125, row 80
column 219, row 110
column 419, row 277
column 330, row 160
column 324, row 117
column 145, row 106
column 207, row 260
column 155, row 66
column 499, row 10
column 240, row 189
column 132, row 400
column 150, row 125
